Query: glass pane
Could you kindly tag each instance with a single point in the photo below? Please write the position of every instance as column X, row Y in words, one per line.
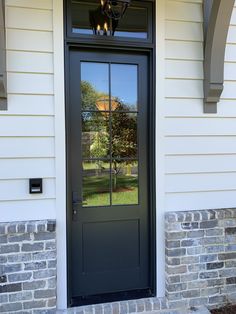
column 134, row 23
column 124, row 182
column 95, row 86
column 95, row 134
column 87, row 19
column 81, row 16
column 124, row 135
column 96, row 183
column 124, row 85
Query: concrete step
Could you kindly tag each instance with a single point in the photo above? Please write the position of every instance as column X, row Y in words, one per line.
column 200, row 310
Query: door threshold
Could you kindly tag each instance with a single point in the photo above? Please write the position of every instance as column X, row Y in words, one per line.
column 138, row 305
column 111, row 297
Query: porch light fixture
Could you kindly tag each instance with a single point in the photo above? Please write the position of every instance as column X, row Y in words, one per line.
column 114, row 9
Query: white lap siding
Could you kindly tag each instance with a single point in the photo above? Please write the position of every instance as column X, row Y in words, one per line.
column 27, row 127
column 200, row 149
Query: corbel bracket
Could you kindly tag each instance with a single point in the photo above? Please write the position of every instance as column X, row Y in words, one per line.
column 217, row 16
column 3, row 74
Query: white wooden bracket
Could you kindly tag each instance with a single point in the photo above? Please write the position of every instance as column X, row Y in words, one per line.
column 217, row 16
column 3, row 74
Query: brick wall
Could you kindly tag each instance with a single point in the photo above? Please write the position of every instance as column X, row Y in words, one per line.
column 200, row 258
column 28, row 267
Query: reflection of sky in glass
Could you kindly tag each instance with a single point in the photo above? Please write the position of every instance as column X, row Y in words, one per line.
column 123, row 80
column 124, row 84
column 97, row 74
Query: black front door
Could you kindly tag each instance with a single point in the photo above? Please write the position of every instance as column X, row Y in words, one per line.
column 108, row 162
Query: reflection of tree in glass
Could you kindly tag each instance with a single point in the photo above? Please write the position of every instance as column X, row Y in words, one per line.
column 124, row 130
column 124, row 140
column 88, row 96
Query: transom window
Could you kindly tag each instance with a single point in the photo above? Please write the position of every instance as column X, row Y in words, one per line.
column 86, row 19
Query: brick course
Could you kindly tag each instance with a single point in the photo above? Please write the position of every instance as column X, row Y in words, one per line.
column 28, row 267
column 200, row 257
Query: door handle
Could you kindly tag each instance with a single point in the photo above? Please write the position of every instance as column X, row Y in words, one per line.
column 76, row 202
column 75, row 205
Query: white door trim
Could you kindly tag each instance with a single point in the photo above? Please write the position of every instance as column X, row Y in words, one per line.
column 60, row 151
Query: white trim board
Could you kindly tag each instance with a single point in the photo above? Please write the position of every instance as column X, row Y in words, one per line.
column 60, row 151
column 160, row 147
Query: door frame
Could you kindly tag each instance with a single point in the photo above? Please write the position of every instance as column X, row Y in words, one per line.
column 123, row 47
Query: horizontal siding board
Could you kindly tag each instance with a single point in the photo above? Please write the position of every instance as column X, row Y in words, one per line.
column 24, row 83
column 29, row 40
column 200, row 163
column 230, row 53
column 13, row 190
column 29, row 105
column 32, row 62
column 27, row 168
column 26, row 126
column 42, row 4
column 200, row 126
column 194, row 108
column 230, row 72
column 191, row 1
column 200, row 182
column 31, row 147
column 229, row 91
column 183, row 69
column 184, row 88
column 201, row 200
column 28, row 210
column 183, row 11
column 25, row 18
column 231, row 34
column 200, row 145
column 182, row 50
column 179, row 30
column 233, row 17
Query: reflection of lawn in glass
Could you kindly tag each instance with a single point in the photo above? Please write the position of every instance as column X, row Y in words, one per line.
column 90, row 165
column 94, row 194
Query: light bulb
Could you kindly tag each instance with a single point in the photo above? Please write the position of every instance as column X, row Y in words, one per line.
column 105, row 27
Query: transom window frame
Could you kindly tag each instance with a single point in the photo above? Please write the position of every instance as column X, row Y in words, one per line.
column 148, row 4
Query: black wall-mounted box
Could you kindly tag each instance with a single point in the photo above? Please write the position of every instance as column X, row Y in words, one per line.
column 35, row 186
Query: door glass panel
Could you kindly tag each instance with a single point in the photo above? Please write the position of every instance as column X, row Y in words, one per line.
column 124, row 85
column 124, row 135
column 124, row 182
column 109, row 94
column 96, row 183
column 95, row 134
column 94, row 86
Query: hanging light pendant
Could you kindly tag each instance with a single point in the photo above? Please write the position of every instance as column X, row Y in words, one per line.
column 114, row 9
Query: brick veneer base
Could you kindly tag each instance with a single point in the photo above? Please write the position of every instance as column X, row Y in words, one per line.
column 200, row 258
column 28, row 267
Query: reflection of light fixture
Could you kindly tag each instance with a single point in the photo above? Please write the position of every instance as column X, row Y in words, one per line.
column 101, row 23
column 103, row 104
column 115, row 9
